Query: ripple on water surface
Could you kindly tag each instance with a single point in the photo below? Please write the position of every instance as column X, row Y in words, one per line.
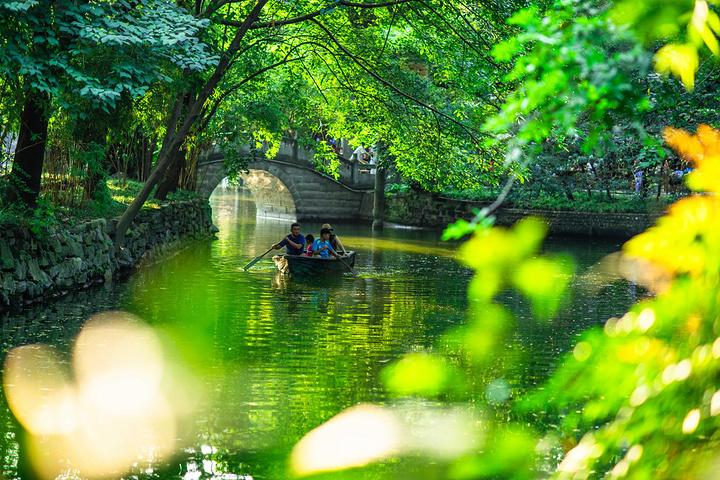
column 278, row 356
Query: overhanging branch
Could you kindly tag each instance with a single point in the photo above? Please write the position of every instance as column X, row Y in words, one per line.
column 216, row 104
column 310, row 16
column 472, row 132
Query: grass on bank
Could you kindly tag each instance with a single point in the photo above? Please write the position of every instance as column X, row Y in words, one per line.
column 108, row 203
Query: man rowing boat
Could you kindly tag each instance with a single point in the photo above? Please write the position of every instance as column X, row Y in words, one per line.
column 294, row 241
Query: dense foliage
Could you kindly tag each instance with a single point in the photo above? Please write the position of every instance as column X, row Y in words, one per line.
column 71, row 62
column 562, row 97
column 636, row 398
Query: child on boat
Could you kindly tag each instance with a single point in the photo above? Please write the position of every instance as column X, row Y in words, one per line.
column 321, row 246
column 309, row 239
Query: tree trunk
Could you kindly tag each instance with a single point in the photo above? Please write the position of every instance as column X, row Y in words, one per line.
column 379, row 200
column 170, row 180
column 145, row 150
column 174, row 139
column 27, row 167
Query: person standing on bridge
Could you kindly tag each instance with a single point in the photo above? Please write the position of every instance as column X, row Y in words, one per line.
column 335, row 242
column 359, row 153
column 294, row 242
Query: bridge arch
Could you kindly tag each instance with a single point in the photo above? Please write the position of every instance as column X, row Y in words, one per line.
column 289, row 188
column 273, row 198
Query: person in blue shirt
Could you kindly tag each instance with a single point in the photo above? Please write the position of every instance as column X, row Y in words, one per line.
column 321, row 246
column 294, row 242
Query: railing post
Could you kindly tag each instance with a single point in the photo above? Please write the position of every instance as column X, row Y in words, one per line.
column 380, row 182
column 355, row 177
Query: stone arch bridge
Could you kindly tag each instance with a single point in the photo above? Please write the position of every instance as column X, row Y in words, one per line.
column 288, row 187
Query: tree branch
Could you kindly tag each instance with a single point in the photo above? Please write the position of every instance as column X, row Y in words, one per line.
column 164, row 158
column 225, row 94
column 309, row 16
column 472, row 132
column 215, row 6
column 458, row 34
column 374, row 5
column 387, row 36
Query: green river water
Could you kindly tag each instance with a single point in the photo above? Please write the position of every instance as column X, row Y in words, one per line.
column 274, row 357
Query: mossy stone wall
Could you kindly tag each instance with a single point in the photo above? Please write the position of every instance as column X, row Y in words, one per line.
column 36, row 267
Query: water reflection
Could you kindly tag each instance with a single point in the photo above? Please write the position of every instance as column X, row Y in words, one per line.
column 280, row 355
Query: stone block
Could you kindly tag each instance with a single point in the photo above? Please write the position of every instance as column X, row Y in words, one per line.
column 64, row 283
column 102, row 259
column 73, row 264
column 54, row 271
column 7, row 260
column 33, row 291
column 21, row 287
column 73, row 248
column 37, row 274
column 7, row 283
column 20, row 269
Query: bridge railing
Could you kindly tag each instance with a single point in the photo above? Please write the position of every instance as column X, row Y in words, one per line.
column 352, row 173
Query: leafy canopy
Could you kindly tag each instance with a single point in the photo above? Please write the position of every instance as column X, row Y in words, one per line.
column 97, row 50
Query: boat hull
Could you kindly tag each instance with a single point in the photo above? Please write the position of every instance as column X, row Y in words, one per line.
column 302, row 265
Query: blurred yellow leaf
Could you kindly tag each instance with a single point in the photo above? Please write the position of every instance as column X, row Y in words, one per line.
column 493, row 252
column 485, row 284
column 680, row 60
column 679, row 240
column 530, row 233
column 714, row 22
column 699, row 26
column 489, row 322
column 707, row 36
column 499, row 247
column 685, row 144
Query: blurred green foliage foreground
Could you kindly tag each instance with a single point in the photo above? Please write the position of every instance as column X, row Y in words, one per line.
column 638, row 398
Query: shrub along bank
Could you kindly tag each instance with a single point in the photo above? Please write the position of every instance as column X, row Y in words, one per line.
column 35, row 267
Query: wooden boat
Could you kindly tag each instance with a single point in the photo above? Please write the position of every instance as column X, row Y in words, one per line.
column 302, row 265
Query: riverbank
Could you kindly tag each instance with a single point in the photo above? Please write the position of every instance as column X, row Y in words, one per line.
column 38, row 267
column 434, row 211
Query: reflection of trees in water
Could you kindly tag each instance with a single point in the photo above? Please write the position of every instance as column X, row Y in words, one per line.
column 282, row 355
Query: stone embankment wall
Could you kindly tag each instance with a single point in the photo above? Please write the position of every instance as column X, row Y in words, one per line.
column 437, row 212
column 33, row 268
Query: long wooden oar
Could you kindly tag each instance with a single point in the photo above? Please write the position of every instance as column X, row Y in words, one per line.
column 352, row 270
column 257, row 259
